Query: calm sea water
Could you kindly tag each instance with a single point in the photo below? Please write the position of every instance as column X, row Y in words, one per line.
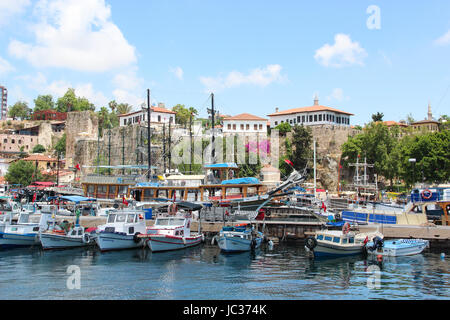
column 204, row 273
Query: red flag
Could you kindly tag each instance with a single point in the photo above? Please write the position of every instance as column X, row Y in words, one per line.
column 288, row 162
column 324, row 207
column 124, row 201
column 78, row 166
column 366, row 239
column 34, row 197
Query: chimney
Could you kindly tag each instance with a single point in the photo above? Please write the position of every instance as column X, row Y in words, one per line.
column 276, row 110
column 316, row 100
column 161, row 105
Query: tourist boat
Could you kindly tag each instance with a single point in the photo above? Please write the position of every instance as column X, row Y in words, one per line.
column 5, row 220
column 25, row 232
column 121, row 230
column 238, row 238
column 396, row 248
column 338, row 242
column 173, row 232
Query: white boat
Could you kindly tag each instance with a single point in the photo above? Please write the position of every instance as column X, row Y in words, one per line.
column 25, row 232
column 173, row 232
column 397, row 247
column 121, row 230
column 329, row 243
column 58, row 239
column 239, row 238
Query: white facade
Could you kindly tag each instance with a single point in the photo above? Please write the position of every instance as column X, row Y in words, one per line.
column 244, row 124
column 3, row 103
column 314, row 115
column 158, row 115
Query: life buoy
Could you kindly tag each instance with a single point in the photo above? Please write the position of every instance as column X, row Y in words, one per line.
column 346, row 228
column 426, row 194
column 311, row 243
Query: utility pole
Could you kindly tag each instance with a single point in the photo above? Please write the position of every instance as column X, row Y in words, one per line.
column 149, row 136
column 190, row 134
column 170, row 149
column 109, row 150
column 213, row 112
column 57, row 170
column 164, row 147
column 123, row 150
column 315, row 186
column 98, row 148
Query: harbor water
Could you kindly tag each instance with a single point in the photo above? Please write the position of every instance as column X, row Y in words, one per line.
column 203, row 273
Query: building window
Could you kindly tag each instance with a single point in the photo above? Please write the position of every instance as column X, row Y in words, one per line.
column 315, row 118
column 242, row 127
column 320, row 117
column 298, row 119
column 234, row 127
column 260, row 127
column 229, row 126
column 255, row 127
column 303, row 118
column 247, row 127
column 5, row 140
column 276, row 123
column 13, row 141
column 310, row 118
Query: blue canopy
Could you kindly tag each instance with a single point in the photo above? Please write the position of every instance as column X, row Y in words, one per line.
column 221, row 165
column 248, row 180
column 148, row 184
column 77, row 199
column 298, row 189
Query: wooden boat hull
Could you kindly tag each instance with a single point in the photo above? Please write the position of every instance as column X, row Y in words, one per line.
column 234, row 244
column 329, row 250
column 107, row 241
column 12, row 240
column 57, row 241
column 167, row 243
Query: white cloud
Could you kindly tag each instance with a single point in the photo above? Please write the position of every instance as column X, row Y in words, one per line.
column 75, row 34
column 178, row 72
column 342, row 53
column 337, row 94
column 444, row 39
column 129, row 88
column 259, row 77
column 10, row 8
column 5, row 66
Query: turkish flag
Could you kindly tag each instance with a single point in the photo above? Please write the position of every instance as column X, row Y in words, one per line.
column 34, row 197
column 124, row 201
column 288, row 162
column 78, row 166
column 324, row 207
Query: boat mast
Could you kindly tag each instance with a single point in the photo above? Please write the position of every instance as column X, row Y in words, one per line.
column 315, row 192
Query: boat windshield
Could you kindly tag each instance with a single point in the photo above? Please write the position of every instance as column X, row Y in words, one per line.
column 131, row 218
column 111, row 218
column 169, row 222
column 24, row 218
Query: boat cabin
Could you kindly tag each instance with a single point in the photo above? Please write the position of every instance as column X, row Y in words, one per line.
column 336, row 238
column 107, row 187
column 172, row 226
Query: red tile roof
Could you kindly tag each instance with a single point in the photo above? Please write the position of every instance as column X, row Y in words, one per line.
column 394, row 123
column 245, row 116
column 308, row 109
column 153, row 109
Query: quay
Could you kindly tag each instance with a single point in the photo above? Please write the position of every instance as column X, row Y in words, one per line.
column 439, row 236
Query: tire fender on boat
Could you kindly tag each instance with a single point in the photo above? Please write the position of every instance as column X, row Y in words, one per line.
column 311, row 243
column 86, row 238
column 136, row 239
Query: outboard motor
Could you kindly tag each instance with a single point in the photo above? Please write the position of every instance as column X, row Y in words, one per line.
column 377, row 244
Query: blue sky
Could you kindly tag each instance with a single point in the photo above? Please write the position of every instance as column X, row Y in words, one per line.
column 254, row 55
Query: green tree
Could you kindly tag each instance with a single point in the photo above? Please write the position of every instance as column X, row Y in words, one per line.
column 23, row 173
column 20, row 110
column 283, row 127
column 61, row 145
column 302, row 142
column 70, row 102
column 123, row 108
column 38, row 149
column 183, row 114
column 377, row 117
column 44, row 102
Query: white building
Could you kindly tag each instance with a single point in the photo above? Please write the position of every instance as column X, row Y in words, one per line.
column 244, row 123
column 158, row 115
column 314, row 115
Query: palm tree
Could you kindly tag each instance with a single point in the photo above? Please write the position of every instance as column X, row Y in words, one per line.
column 123, row 108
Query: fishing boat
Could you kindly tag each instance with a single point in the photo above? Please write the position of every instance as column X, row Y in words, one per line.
column 5, row 220
column 173, row 232
column 396, row 248
column 238, row 238
column 59, row 239
column 121, row 230
column 338, row 242
column 25, row 232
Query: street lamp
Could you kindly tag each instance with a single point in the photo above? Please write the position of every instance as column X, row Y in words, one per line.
column 413, row 161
